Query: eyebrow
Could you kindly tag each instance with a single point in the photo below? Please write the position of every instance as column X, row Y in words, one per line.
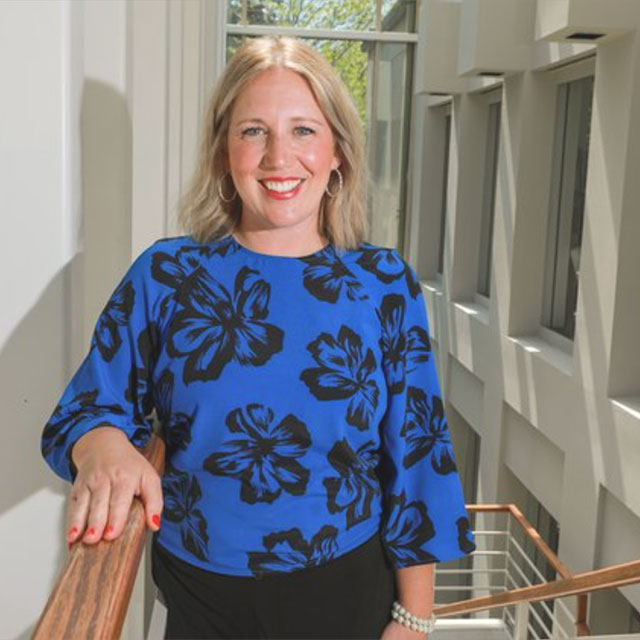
column 295, row 119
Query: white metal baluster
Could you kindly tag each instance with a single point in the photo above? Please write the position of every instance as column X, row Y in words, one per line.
column 522, row 621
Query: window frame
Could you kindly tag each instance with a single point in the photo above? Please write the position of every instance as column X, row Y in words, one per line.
column 447, row 122
column 490, row 179
column 562, row 75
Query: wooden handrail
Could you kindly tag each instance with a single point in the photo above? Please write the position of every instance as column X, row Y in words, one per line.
column 611, row 577
column 91, row 597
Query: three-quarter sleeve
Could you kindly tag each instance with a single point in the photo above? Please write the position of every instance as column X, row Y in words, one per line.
column 425, row 519
column 112, row 386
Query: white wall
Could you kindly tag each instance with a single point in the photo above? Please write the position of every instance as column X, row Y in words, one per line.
column 40, row 45
column 99, row 113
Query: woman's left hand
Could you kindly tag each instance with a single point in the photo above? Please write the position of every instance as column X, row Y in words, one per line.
column 396, row 631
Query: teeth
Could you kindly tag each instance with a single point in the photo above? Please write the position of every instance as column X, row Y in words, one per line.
column 287, row 185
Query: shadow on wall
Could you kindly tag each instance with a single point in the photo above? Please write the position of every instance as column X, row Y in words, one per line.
column 41, row 354
column 31, row 496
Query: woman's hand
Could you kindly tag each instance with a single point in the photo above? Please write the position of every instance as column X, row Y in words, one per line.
column 396, row 631
column 111, row 471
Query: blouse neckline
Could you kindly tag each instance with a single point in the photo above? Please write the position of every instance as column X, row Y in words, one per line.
column 275, row 257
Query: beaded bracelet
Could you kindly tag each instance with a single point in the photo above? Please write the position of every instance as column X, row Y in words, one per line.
column 401, row 615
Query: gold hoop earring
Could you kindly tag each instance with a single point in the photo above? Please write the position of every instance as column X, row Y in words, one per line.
column 220, row 190
column 339, row 189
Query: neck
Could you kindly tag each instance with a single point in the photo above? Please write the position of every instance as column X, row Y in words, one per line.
column 281, row 242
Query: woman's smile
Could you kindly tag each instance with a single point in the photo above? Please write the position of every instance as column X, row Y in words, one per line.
column 282, row 189
column 280, row 153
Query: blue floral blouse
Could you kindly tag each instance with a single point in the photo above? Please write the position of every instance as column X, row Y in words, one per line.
column 298, row 398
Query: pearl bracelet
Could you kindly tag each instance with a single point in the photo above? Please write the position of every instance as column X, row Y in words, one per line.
column 401, row 615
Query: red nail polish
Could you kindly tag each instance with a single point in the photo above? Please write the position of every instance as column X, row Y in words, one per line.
column 155, row 518
column 73, row 531
column 109, row 530
column 91, row 531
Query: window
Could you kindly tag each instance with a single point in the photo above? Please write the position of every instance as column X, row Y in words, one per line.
column 566, row 211
column 377, row 67
column 488, row 198
column 445, row 184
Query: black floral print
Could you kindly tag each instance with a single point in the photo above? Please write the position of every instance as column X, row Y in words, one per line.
column 418, row 347
column 344, row 372
column 181, row 494
column 115, row 315
column 263, row 455
column 408, row 527
column 357, row 485
column 388, row 266
column 465, row 541
column 138, row 390
column 297, row 396
column 426, row 432
column 176, row 425
column 174, row 270
column 288, row 551
column 214, row 328
column 65, row 417
column 327, row 277
column 402, row 350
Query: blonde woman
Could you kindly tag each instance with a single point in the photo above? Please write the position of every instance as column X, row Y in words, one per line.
column 310, row 483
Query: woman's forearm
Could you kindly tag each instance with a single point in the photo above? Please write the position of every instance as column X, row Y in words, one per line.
column 415, row 588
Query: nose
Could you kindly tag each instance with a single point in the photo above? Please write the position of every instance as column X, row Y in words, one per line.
column 277, row 152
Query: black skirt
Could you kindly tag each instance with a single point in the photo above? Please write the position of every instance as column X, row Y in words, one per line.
column 347, row 597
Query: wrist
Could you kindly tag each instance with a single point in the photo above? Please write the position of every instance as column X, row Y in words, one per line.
column 417, row 607
column 411, row 620
column 87, row 440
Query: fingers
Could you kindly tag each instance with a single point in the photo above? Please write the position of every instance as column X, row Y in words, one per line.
column 100, row 503
column 122, row 492
column 77, row 511
column 98, row 511
column 151, row 496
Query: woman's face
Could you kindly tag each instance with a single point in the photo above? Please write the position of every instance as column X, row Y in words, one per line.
column 281, row 151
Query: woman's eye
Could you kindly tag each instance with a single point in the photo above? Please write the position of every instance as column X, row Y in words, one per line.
column 251, row 131
column 305, row 131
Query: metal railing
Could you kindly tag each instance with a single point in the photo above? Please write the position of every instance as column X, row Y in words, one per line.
column 517, row 585
column 509, row 566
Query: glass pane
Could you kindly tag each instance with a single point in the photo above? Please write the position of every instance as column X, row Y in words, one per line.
column 443, row 191
column 565, row 227
column 387, row 143
column 399, row 15
column 338, row 15
column 488, row 202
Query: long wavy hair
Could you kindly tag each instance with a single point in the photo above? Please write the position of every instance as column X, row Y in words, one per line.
column 206, row 217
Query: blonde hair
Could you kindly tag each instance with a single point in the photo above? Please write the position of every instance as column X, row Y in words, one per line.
column 206, row 217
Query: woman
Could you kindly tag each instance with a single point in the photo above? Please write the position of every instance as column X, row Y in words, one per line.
column 310, row 483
